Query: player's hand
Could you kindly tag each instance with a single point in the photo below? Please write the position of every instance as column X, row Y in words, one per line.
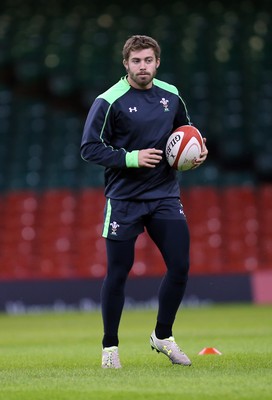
column 203, row 155
column 149, row 157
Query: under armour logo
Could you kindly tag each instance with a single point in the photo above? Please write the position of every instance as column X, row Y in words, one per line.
column 132, row 109
column 166, row 350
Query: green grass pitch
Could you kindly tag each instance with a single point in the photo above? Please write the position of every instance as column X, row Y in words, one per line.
column 58, row 356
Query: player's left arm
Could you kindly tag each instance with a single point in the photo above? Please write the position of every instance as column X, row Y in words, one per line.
column 203, row 155
column 183, row 118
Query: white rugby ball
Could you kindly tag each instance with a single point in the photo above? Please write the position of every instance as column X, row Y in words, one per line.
column 183, row 147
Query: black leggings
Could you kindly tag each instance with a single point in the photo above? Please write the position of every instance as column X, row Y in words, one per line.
column 172, row 239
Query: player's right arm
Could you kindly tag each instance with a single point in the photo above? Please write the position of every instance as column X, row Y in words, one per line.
column 97, row 137
column 149, row 158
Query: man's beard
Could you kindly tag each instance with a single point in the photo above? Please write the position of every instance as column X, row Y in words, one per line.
column 142, row 80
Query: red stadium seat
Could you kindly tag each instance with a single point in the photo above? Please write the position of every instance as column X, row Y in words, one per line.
column 57, row 234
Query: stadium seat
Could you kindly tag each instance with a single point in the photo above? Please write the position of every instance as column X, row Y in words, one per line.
column 265, row 225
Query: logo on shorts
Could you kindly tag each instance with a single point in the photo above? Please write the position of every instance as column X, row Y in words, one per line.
column 181, row 209
column 114, row 227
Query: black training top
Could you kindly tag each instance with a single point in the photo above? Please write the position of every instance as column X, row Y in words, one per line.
column 124, row 120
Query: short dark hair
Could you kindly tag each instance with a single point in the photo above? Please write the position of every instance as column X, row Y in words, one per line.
column 140, row 42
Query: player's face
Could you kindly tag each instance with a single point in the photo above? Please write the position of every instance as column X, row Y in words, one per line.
column 141, row 68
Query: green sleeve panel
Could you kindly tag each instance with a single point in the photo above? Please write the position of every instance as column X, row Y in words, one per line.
column 132, row 159
column 116, row 91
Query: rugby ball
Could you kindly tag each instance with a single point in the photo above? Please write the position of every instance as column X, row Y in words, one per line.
column 183, row 146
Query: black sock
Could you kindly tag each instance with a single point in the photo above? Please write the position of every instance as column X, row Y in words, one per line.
column 109, row 341
column 163, row 331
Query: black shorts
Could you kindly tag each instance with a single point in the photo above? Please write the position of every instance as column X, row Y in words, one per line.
column 124, row 219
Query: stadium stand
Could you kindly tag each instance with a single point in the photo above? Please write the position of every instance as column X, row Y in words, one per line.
column 57, row 233
column 57, row 56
